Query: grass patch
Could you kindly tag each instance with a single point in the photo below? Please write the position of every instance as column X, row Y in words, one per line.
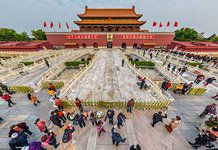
column 75, row 63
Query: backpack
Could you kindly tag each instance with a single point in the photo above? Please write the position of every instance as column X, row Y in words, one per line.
column 35, row 146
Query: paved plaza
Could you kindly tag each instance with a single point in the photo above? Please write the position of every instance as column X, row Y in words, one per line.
column 108, row 80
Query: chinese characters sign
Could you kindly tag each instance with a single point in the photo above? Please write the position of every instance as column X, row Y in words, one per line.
column 137, row 36
column 82, row 36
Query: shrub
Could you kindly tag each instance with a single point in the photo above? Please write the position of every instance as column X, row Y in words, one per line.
column 143, row 63
column 21, row 89
column 194, row 64
column 27, row 63
column 75, row 63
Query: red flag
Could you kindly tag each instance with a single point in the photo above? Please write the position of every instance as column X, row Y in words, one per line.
column 160, row 25
column 154, row 24
column 176, row 24
column 59, row 25
column 168, row 23
column 51, row 24
column 44, row 24
column 67, row 25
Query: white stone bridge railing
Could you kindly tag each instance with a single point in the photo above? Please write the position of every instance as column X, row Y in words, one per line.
column 76, row 77
column 58, row 68
column 159, row 67
column 178, row 61
column 155, row 90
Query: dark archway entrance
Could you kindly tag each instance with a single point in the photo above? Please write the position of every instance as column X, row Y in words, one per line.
column 95, row 45
column 84, row 45
column 109, row 45
column 135, row 45
column 123, row 45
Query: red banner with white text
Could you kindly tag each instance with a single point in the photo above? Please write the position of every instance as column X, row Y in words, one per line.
column 81, row 36
column 137, row 36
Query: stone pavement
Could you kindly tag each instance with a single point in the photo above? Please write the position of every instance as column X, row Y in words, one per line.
column 186, row 106
column 108, row 80
column 23, row 111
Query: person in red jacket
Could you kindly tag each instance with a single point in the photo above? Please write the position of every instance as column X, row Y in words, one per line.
column 168, row 85
column 7, row 98
column 78, row 103
column 52, row 87
column 41, row 125
column 59, row 104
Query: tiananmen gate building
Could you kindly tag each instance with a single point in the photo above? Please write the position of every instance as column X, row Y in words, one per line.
column 109, row 28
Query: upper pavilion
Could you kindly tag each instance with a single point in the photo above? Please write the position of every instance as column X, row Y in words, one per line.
column 109, row 20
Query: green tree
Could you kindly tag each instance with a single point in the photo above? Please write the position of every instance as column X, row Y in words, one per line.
column 7, row 34
column 214, row 39
column 23, row 37
column 12, row 35
column 188, row 34
column 39, row 34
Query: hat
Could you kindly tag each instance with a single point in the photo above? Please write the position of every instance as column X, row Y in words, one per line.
column 14, row 135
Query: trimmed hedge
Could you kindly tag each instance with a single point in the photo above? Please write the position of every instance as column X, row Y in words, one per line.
column 27, row 63
column 107, row 104
column 194, row 64
column 21, row 89
column 57, row 84
column 75, row 63
column 143, row 63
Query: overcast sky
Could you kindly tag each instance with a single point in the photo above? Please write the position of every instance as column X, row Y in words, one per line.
column 25, row 15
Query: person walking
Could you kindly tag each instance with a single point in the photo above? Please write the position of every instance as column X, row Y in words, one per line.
column 168, row 66
column 78, row 103
column 209, row 81
column 7, row 98
column 158, row 117
column 168, row 85
column 215, row 97
column 210, row 109
column 100, row 127
column 120, row 119
column 52, row 140
column 151, row 56
column 20, row 128
column 59, row 104
column 116, row 137
column 47, row 63
column 18, row 140
column 33, row 99
column 187, row 88
column 174, row 69
column 135, row 147
column 110, row 116
column 130, row 105
column 93, row 118
column 41, row 125
column 198, row 79
column 61, row 115
column 183, row 71
column 55, row 120
column 123, row 61
column 80, row 119
column 51, row 87
column 142, row 83
column 173, row 124
column 5, row 88
column 164, row 84
column 68, row 134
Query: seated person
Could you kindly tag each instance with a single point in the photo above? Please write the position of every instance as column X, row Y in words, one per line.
column 179, row 88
